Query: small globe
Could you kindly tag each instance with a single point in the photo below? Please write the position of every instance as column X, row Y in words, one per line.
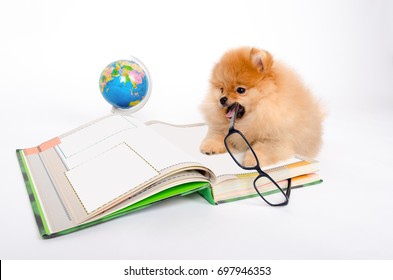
column 125, row 84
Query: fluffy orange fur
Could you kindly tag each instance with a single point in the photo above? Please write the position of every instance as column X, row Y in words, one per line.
column 281, row 116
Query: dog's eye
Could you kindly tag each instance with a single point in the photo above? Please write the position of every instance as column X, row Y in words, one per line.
column 221, row 90
column 240, row 90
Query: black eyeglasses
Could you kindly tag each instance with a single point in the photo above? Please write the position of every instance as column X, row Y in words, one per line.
column 275, row 196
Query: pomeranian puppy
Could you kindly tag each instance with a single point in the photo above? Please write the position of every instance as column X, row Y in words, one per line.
column 277, row 113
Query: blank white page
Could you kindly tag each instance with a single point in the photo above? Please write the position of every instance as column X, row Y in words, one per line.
column 113, row 155
column 86, row 143
column 93, row 134
column 109, row 175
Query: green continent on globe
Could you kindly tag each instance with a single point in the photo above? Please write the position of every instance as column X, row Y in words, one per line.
column 124, row 84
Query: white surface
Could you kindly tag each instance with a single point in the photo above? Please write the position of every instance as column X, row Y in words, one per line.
column 53, row 53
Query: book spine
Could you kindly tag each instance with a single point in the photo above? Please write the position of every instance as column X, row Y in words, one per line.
column 207, row 193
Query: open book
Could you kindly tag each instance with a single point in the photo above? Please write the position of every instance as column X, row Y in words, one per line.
column 117, row 164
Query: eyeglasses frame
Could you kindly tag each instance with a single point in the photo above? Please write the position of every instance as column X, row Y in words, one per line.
column 257, row 167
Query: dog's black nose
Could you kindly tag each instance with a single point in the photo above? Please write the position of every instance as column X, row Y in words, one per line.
column 223, row 100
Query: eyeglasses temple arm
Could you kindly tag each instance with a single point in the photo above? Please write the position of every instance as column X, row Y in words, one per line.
column 233, row 118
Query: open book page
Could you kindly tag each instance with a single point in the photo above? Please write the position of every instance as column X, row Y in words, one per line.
column 106, row 160
column 59, row 206
column 100, row 167
column 189, row 138
column 169, row 182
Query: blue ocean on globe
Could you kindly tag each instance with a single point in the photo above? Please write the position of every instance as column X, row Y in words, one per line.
column 124, row 84
column 124, row 94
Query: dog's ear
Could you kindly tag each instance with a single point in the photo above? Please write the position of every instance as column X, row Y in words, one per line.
column 261, row 59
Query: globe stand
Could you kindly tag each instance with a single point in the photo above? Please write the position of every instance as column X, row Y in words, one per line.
column 119, row 111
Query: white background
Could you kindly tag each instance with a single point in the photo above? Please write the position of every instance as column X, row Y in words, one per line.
column 51, row 56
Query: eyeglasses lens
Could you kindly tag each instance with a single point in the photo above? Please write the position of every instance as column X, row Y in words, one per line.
column 269, row 191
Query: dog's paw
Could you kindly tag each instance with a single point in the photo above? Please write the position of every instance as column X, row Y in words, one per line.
column 212, row 146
